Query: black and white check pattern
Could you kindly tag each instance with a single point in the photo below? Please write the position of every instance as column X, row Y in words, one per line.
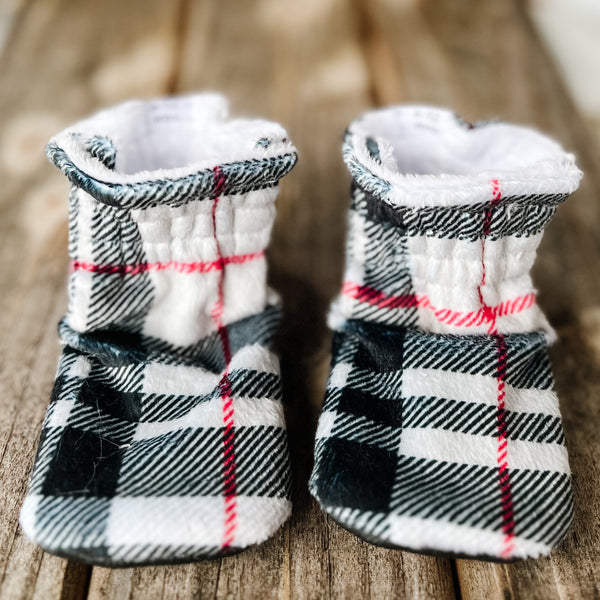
column 440, row 429
column 165, row 439
column 406, row 451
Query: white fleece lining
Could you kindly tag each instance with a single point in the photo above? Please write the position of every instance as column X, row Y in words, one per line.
column 430, row 159
column 170, row 139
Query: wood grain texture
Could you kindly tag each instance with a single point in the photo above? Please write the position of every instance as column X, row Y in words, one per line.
column 313, row 66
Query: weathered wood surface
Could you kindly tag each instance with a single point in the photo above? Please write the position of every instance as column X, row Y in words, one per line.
column 313, row 66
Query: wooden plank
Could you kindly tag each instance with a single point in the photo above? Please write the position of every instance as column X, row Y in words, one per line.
column 63, row 60
column 484, row 60
column 300, row 64
column 11, row 12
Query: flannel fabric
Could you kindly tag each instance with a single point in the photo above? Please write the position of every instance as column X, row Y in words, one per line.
column 440, row 429
column 165, row 440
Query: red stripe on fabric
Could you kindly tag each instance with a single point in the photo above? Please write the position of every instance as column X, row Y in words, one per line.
column 491, row 315
column 374, row 297
column 508, row 522
column 229, row 466
column 194, row 267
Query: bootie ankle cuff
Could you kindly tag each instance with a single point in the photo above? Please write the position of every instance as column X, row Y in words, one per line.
column 164, row 440
column 165, row 152
column 440, row 430
column 420, row 156
column 446, row 220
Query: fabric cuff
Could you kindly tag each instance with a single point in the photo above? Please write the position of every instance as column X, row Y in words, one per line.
column 421, row 156
column 144, row 153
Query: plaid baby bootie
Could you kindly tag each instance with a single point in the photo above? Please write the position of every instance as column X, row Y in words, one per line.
column 165, row 440
column 440, row 429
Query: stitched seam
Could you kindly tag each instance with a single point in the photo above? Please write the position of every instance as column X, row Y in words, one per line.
column 506, row 501
column 229, row 466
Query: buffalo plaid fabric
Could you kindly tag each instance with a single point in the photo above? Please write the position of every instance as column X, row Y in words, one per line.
column 440, row 430
column 165, row 440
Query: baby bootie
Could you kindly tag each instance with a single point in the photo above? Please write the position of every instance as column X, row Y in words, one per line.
column 165, row 440
column 440, row 430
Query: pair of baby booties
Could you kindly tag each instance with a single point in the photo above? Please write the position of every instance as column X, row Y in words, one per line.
column 165, row 439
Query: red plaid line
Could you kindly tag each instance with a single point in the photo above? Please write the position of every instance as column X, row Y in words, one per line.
column 369, row 295
column 194, row 267
column 508, row 523
column 229, row 467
